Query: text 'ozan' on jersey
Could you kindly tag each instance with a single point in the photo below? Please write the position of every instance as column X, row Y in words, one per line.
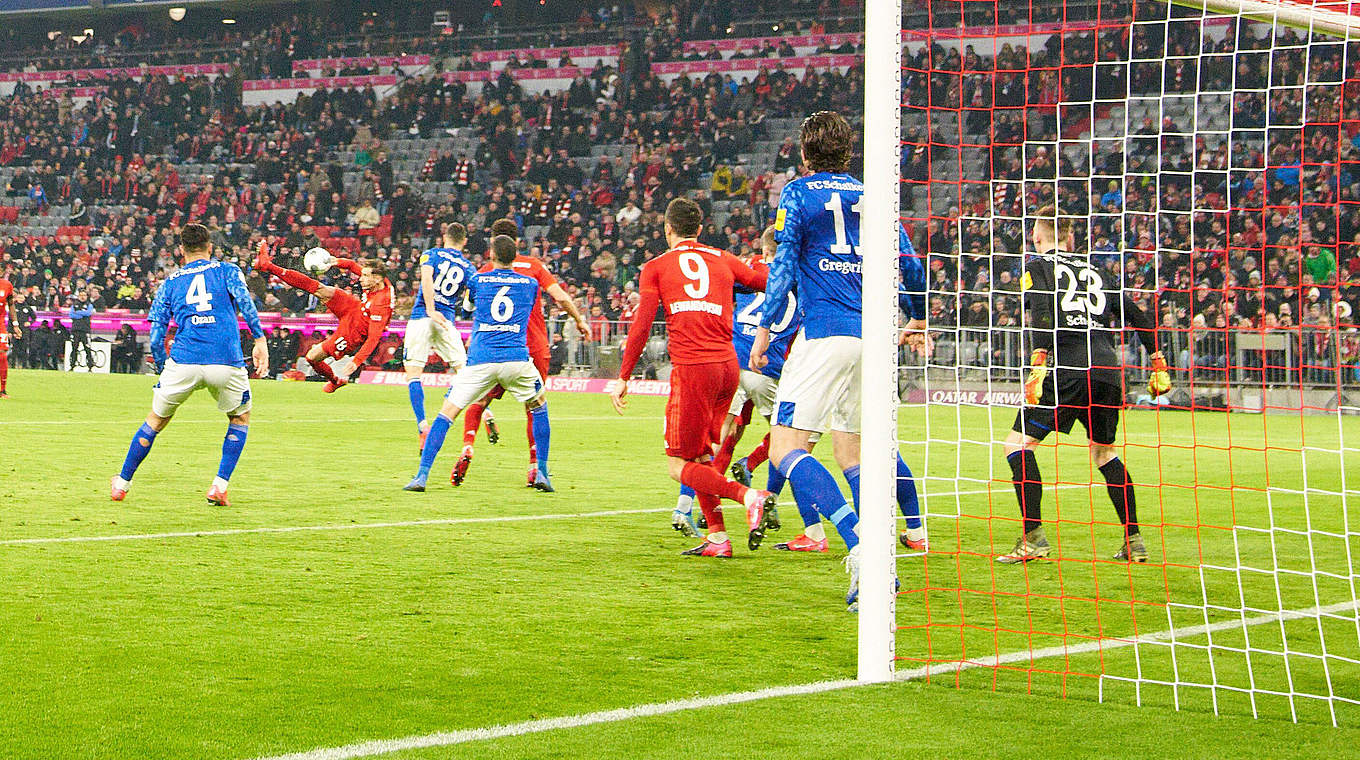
column 692, row 283
column 749, row 306
column 202, row 299
column 1076, row 315
column 450, row 273
column 503, row 301
column 817, row 227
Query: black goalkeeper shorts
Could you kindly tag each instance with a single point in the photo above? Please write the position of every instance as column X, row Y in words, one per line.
column 1075, row 397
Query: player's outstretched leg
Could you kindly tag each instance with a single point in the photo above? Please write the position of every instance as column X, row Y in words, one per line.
column 716, row 543
column 1120, row 488
column 682, row 517
column 705, row 480
column 233, row 443
column 265, row 263
column 137, row 451
column 439, row 429
column 541, row 431
column 1029, row 491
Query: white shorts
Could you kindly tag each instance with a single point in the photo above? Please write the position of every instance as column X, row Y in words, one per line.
column 758, row 388
column 424, row 337
column 521, row 379
column 820, row 386
column 230, row 386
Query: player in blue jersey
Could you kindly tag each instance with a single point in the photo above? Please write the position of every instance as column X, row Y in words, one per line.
column 444, row 274
column 497, row 356
column 817, row 230
column 201, row 299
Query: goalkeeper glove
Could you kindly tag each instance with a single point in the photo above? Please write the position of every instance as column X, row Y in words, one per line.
column 1034, row 384
column 1159, row 382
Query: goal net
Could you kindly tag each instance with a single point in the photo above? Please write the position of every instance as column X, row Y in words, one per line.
column 1207, row 159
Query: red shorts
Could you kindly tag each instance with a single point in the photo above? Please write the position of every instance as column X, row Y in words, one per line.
column 353, row 327
column 540, row 363
column 700, row 397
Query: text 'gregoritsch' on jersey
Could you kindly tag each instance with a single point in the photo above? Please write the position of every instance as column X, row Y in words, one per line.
column 503, row 302
column 202, row 299
column 451, row 274
column 817, row 228
column 1076, row 315
column 748, row 308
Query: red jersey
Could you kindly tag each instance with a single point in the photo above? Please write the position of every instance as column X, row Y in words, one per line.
column 693, row 284
column 538, row 326
column 377, row 311
column 6, row 290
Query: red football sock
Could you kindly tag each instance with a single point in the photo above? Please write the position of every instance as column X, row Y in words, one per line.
column 472, row 419
column 760, row 454
column 298, row 280
column 706, row 480
column 710, row 506
column 529, row 431
column 324, row 369
column 4, row 369
column 724, row 455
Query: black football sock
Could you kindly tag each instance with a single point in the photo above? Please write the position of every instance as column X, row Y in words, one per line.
column 1029, row 487
column 1120, row 488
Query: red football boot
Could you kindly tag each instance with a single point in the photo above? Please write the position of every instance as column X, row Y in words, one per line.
column 802, row 544
column 710, row 549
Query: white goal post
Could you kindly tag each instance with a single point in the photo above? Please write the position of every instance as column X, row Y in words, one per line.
column 878, row 247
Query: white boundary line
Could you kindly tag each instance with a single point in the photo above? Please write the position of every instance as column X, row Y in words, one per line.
column 465, row 736
column 318, row 528
column 397, row 524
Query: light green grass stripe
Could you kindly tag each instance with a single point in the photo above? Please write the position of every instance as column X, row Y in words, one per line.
column 465, row 736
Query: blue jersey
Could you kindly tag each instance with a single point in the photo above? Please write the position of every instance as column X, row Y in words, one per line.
column 817, row 228
column 202, row 299
column 451, row 275
column 504, row 300
column 747, row 310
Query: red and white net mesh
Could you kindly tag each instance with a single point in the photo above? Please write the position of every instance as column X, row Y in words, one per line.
column 1210, row 163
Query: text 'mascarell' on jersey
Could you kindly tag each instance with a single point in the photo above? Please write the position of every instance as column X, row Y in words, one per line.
column 693, row 285
column 202, row 300
column 451, row 273
column 503, row 301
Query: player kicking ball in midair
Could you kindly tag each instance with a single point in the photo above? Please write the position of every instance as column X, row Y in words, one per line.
column 362, row 322
column 444, row 274
column 202, row 299
column 817, row 229
column 1074, row 318
column 498, row 356
column 539, row 352
column 693, row 284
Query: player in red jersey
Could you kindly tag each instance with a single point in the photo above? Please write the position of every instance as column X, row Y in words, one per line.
column 693, row 284
column 6, row 326
column 362, row 322
column 539, row 352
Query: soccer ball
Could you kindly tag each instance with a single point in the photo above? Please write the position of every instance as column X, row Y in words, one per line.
column 317, row 259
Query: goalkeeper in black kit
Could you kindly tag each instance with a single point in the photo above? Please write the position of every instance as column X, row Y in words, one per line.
column 1075, row 317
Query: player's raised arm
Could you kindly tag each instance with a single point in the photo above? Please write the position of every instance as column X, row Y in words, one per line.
column 638, row 333
column 349, row 265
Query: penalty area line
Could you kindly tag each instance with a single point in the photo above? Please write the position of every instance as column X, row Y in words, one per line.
column 449, row 738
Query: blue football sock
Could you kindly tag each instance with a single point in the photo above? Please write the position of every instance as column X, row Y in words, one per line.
column 813, row 485
column 141, row 446
column 542, row 434
column 906, row 495
column 232, row 445
column 686, row 491
column 417, row 393
column 434, row 440
column 852, row 479
column 774, row 480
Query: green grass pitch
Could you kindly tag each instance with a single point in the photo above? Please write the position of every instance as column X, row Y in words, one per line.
column 411, row 614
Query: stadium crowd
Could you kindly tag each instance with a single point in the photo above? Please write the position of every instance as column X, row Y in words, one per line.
column 1250, row 233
